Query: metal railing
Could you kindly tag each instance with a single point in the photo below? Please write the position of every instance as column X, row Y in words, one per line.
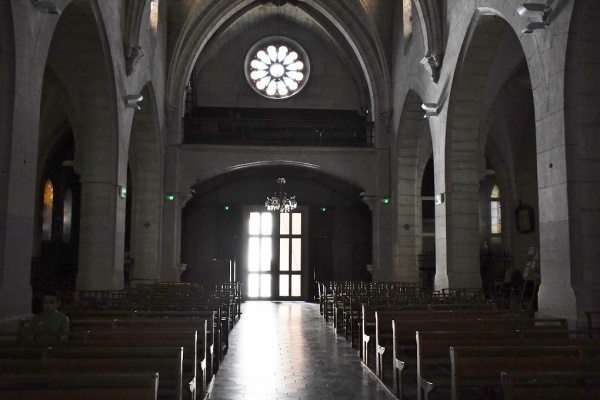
column 277, row 132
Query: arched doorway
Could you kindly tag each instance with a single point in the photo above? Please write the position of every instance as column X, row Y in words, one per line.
column 328, row 237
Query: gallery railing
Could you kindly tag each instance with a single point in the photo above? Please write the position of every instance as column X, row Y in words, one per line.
column 277, row 132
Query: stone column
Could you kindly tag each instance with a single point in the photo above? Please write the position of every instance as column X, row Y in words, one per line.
column 101, row 236
column 462, row 219
column 407, row 231
column 171, row 267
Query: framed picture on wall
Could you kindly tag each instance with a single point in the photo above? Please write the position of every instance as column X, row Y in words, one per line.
column 525, row 218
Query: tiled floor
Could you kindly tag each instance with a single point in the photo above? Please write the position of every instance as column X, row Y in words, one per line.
column 285, row 350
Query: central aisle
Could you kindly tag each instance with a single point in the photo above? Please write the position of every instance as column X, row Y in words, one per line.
column 285, row 350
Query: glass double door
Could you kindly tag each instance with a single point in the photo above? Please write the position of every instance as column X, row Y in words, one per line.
column 274, row 263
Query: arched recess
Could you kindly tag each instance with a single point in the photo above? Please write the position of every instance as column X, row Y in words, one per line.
column 55, row 259
column 509, row 146
column 468, row 106
column 145, row 190
column 325, row 45
column 338, row 243
column 200, row 22
column 583, row 157
column 80, row 57
column 414, row 150
column 55, row 252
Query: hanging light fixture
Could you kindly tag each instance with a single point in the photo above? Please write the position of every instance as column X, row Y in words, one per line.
column 280, row 202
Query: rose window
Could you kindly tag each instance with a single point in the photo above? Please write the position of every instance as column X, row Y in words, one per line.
column 277, row 68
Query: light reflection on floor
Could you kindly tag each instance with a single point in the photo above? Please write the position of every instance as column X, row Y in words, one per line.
column 284, row 350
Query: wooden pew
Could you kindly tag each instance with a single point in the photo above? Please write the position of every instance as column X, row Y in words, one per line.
column 202, row 325
column 433, row 358
column 368, row 325
column 193, row 343
column 404, row 336
column 480, row 367
column 384, row 331
column 77, row 386
column 368, row 320
column 167, row 361
column 194, row 355
column 159, row 301
column 561, row 385
column 213, row 336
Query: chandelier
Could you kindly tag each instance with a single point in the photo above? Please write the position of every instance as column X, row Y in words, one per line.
column 280, row 202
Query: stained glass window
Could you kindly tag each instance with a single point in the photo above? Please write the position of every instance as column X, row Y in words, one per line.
column 277, row 67
column 496, row 212
column 67, row 215
column 47, row 211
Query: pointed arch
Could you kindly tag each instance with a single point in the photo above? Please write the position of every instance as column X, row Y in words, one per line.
column 202, row 21
column 413, row 151
column 464, row 151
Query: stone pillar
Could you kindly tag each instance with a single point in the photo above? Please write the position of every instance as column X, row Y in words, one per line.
column 146, row 224
column 171, row 267
column 101, row 236
column 407, row 232
column 381, row 232
column 457, row 227
column 462, row 219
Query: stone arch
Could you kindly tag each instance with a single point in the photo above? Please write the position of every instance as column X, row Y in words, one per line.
column 201, row 23
column 412, row 154
column 80, row 56
column 145, row 163
column 508, row 143
column 463, row 157
column 299, row 168
column 209, row 231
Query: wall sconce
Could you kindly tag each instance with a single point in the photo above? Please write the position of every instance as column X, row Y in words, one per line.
column 534, row 10
column 132, row 100
column 122, row 191
column 431, row 109
column 45, row 6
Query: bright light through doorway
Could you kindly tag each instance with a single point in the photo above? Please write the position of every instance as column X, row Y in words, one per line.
column 274, row 255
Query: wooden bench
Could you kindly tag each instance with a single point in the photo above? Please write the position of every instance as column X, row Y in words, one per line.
column 424, row 311
column 480, row 367
column 368, row 325
column 561, row 385
column 404, row 337
column 384, row 331
column 77, row 386
column 167, row 361
column 194, row 355
column 218, row 324
column 201, row 325
column 144, row 331
column 433, row 357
